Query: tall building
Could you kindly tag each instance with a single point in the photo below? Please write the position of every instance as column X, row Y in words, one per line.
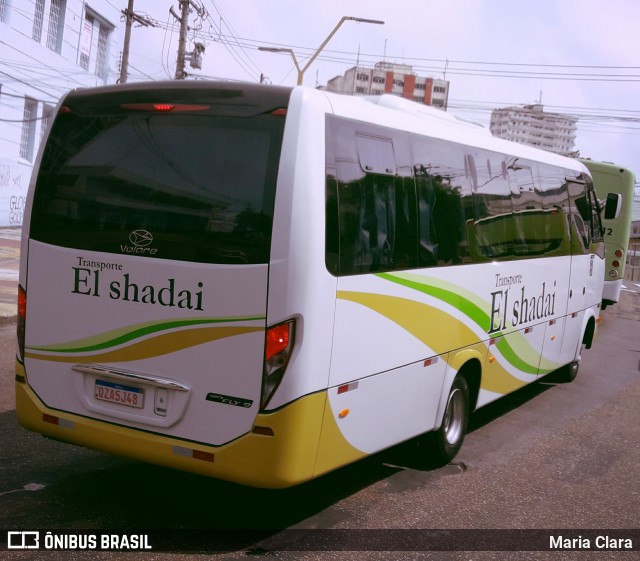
column 391, row 78
column 533, row 126
column 47, row 47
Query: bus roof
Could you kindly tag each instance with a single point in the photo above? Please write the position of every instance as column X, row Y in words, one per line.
column 389, row 110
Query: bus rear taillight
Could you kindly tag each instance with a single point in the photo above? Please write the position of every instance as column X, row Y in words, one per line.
column 277, row 351
column 22, row 319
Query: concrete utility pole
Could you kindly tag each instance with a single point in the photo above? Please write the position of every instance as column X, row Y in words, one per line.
column 182, row 41
column 124, row 66
column 130, row 16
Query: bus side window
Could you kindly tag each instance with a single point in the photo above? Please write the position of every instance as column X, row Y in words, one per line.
column 443, row 194
column 580, row 214
column 332, row 224
column 426, row 196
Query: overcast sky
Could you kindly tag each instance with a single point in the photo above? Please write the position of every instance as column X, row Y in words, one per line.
column 580, row 57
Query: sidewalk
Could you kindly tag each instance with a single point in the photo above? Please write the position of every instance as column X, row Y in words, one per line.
column 9, row 268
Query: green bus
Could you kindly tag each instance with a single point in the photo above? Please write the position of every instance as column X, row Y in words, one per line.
column 614, row 185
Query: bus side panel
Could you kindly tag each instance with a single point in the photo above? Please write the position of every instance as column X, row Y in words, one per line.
column 379, row 411
column 388, row 322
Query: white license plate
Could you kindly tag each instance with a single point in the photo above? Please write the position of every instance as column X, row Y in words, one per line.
column 119, row 393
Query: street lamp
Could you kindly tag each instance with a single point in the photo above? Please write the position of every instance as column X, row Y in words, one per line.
column 301, row 71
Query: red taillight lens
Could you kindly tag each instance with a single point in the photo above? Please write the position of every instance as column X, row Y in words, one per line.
column 277, row 340
column 619, row 253
column 22, row 303
column 615, row 263
column 22, row 319
column 277, row 352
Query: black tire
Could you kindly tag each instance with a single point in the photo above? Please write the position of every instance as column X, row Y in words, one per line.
column 439, row 447
column 450, row 435
column 569, row 372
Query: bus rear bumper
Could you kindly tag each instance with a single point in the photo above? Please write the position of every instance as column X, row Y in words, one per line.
column 611, row 291
column 281, row 450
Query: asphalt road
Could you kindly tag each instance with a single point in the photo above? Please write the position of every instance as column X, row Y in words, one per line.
column 550, row 456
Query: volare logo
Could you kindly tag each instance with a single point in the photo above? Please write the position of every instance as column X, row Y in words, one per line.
column 140, row 241
column 140, row 238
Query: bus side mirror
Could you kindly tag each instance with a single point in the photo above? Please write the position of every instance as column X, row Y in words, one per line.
column 613, row 206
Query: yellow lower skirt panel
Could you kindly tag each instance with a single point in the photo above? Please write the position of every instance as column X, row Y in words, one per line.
column 287, row 458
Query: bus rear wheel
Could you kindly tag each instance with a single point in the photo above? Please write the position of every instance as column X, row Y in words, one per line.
column 442, row 445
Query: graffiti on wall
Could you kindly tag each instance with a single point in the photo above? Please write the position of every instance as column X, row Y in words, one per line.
column 14, row 180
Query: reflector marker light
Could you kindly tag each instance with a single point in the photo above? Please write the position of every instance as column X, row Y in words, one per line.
column 492, row 342
column 343, row 413
column 52, row 419
column 195, row 454
column 619, row 253
column 280, row 112
column 528, row 330
column 430, row 361
column 200, row 455
column 265, row 431
column 347, row 387
column 552, row 322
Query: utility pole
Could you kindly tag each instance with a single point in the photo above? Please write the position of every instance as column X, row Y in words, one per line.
column 124, row 66
column 130, row 16
column 182, row 41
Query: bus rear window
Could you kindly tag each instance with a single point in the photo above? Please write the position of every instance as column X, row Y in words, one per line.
column 188, row 186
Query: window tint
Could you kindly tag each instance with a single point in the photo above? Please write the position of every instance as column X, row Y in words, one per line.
column 202, row 185
column 370, row 205
column 440, row 203
column 584, row 215
column 443, row 183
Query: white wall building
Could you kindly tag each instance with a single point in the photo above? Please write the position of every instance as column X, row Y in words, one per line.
column 47, row 47
column 533, row 126
column 391, row 78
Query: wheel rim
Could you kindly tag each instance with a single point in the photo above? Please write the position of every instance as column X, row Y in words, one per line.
column 454, row 417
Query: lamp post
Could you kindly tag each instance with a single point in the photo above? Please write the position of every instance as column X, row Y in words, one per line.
column 301, row 71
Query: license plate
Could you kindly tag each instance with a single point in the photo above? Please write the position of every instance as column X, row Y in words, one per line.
column 118, row 393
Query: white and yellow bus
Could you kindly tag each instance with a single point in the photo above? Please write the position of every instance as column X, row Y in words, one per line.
column 614, row 187
column 263, row 284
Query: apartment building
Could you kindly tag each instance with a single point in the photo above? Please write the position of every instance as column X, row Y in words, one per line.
column 392, row 78
column 531, row 125
column 47, row 47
